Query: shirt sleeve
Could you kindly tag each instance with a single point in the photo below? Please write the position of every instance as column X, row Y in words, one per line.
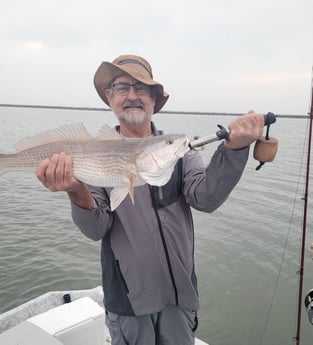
column 207, row 187
column 94, row 223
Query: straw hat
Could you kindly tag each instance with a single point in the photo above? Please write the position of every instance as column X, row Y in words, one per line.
column 135, row 66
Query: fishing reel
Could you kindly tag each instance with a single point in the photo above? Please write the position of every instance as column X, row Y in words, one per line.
column 308, row 302
column 265, row 148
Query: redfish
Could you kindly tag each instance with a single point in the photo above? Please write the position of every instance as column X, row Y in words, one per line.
column 108, row 160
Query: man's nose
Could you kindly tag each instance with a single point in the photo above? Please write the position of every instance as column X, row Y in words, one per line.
column 132, row 93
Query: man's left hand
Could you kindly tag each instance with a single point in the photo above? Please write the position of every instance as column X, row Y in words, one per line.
column 244, row 130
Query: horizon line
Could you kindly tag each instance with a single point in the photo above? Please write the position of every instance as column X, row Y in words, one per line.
column 205, row 113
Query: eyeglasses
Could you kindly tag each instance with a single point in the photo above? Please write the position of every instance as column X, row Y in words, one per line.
column 122, row 89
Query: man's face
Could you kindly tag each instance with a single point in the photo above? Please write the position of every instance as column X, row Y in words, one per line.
column 133, row 105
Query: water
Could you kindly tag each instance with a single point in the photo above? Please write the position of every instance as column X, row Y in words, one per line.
column 243, row 250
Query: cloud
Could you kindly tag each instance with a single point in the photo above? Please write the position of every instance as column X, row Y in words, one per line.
column 270, row 79
column 201, row 50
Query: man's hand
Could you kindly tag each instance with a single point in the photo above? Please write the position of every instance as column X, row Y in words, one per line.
column 244, row 130
column 56, row 174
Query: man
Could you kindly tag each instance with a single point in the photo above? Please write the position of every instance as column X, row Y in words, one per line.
column 147, row 253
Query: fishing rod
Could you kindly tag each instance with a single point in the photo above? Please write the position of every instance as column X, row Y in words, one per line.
column 264, row 150
column 309, row 297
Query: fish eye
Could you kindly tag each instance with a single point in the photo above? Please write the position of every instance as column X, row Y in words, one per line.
column 170, row 141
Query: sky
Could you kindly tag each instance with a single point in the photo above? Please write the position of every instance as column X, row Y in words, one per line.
column 210, row 55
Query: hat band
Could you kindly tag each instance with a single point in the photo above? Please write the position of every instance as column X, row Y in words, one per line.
column 123, row 62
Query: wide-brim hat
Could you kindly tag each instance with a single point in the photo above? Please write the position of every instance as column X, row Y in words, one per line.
column 135, row 66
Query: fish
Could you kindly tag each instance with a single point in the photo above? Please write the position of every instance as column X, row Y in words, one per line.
column 107, row 160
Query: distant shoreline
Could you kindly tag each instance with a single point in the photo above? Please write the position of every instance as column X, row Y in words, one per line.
column 62, row 107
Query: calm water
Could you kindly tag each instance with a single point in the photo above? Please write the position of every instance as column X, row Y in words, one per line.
column 243, row 250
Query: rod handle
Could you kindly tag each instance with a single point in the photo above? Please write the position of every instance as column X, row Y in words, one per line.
column 223, row 133
column 265, row 148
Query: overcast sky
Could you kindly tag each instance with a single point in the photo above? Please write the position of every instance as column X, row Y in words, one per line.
column 211, row 55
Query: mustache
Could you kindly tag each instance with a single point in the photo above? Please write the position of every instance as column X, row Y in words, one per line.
column 133, row 104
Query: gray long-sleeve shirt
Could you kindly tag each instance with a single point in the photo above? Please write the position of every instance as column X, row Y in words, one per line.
column 147, row 252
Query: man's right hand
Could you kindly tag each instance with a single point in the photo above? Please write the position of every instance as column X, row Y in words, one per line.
column 56, row 174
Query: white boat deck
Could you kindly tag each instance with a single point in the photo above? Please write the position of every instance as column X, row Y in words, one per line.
column 47, row 320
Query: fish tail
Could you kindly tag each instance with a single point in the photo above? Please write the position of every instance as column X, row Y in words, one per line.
column 4, row 166
column 10, row 162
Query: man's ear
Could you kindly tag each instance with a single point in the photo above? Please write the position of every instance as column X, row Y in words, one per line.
column 108, row 94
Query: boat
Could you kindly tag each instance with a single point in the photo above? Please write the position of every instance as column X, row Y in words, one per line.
column 75, row 317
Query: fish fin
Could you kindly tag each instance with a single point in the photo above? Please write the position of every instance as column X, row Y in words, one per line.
column 73, row 132
column 117, row 195
column 108, row 133
column 132, row 188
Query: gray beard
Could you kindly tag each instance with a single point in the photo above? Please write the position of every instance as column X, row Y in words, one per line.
column 134, row 118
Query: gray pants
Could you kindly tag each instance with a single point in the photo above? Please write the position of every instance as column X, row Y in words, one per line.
column 170, row 326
